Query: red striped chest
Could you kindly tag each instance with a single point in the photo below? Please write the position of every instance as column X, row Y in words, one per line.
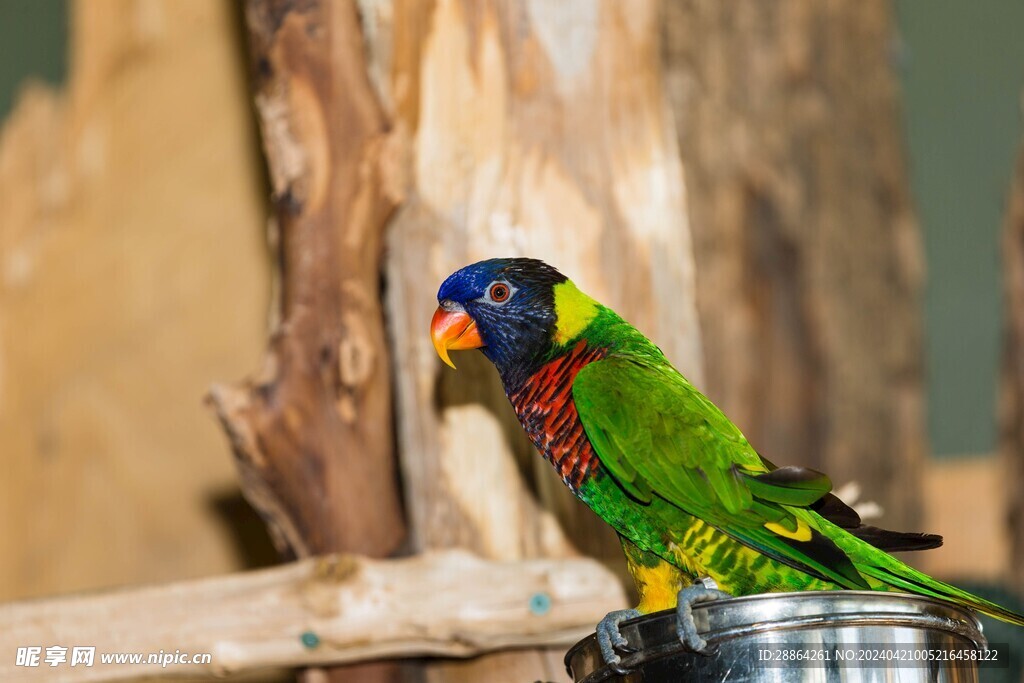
column 546, row 409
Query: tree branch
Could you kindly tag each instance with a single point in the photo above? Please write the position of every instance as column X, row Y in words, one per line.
column 450, row 604
column 313, row 434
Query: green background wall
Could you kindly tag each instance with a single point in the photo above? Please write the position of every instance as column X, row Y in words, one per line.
column 33, row 42
column 963, row 69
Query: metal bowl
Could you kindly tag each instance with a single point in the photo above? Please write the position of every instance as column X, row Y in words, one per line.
column 833, row 636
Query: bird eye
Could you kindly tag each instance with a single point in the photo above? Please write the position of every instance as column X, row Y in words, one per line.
column 499, row 292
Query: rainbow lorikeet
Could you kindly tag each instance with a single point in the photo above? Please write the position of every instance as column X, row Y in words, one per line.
column 659, row 462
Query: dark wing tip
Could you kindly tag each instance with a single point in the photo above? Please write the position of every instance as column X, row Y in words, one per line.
column 836, row 511
column 896, row 541
column 842, row 515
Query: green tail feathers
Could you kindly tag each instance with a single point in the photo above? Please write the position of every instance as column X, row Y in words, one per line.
column 876, row 565
column 907, row 579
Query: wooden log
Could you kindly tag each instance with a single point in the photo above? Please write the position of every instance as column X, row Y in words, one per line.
column 534, row 128
column 312, row 433
column 1011, row 400
column 810, row 266
column 318, row 611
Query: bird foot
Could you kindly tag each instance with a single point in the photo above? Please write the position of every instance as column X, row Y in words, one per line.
column 702, row 590
column 611, row 641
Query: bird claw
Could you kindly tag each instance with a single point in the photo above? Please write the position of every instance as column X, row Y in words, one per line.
column 703, row 590
column 614, row 645
column 612, row 642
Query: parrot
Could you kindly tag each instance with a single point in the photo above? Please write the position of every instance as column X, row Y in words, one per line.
column 701, row 516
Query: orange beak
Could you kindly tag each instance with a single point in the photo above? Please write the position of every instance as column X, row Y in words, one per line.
column 453, row 330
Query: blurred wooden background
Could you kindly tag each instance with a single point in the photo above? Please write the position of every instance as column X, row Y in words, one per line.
column 749, row 208
column 134, row 272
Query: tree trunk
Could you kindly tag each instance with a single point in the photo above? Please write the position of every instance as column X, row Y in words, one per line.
column 312, row 433
column 808, row 252
column 537, row 128
column 1011, row 408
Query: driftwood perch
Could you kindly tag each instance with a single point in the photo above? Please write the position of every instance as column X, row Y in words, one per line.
column 451, row 604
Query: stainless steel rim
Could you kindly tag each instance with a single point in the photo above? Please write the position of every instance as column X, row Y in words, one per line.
column 834, row 609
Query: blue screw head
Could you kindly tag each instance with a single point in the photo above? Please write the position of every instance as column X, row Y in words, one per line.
column 309, row 640
column 540, row 604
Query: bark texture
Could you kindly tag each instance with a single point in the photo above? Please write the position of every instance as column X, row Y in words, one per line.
column 809, row 258
column 533, row 128
column 1011, row 405
column 312, row 432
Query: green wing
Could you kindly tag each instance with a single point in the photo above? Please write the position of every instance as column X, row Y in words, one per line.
column 658, row 436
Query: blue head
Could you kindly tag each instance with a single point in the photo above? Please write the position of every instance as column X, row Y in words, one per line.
column 505, row 307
